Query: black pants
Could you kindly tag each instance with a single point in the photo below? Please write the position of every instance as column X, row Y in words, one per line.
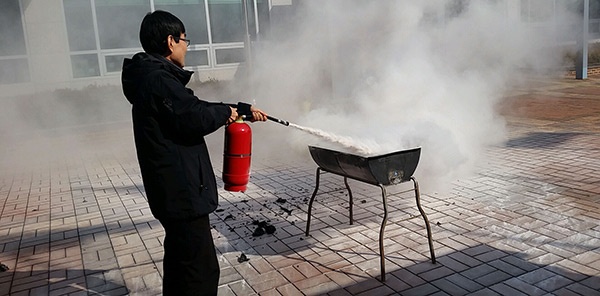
column 190, row 263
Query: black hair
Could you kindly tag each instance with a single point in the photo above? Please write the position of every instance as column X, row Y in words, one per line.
column 156, row 28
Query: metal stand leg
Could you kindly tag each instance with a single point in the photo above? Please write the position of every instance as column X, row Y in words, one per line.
column 351, row 201
column 381, row 230
column 312, row 198
column 418, row 197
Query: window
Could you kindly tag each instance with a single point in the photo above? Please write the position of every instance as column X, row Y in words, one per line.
column 537, row 10
column 192, row 13
column 119, row 22
column 197, row 58
column 101, row 33
column 226, row 21
column 13, row 51
column 594, row 9
column 85, row 65
column 262, row 11
column 230, row 55
column 114, row 63
column 14, row 70
column 80, row 25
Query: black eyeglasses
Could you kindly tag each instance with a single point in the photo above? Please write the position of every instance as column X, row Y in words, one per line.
column 188, row 41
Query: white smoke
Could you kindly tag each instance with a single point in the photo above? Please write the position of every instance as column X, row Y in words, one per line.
column 403, row 76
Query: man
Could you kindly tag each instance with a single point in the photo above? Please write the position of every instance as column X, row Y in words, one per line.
column 169, row 125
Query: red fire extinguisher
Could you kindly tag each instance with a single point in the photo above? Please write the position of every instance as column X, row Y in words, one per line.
column 236, row 155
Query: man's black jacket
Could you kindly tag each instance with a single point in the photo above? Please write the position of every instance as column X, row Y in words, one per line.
column 169, row 125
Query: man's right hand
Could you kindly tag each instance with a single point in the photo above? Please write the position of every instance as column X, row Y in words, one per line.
column 233, row 116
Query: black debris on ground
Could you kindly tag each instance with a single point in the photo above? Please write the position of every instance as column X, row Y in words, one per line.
column 270, row 229
column 242, row 258
column 3, row 267
column 281, row 200
column 288, row 211
column 263, row 227
column 258, row 231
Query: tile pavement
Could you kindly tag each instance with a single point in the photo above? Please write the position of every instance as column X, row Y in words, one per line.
column 528, row 223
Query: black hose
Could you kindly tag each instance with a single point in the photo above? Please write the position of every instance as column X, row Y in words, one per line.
column 286, row 123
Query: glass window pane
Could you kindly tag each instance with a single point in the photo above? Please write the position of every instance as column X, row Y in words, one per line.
column 594, row 9
column 251, row 22
column 192, row 14
column 263, row 18
column 80, row 26
column 229, row 55
column 114, row 63
column 14, row 71
column 196, row 58
column 85, row 65
column 12, row 38
column 540, row 11
column 119, row 22
column 226, row 20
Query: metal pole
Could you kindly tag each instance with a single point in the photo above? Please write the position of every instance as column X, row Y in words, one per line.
column 427, row 225
column 581, row 65
column 350, row 201
column 312, row 199
column 381, row 232
column 248, row 47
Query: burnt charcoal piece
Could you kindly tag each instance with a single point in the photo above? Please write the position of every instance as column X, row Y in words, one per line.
column 281, row 200
column 242, row 258
column 288, row 211
column 3, row 267
column 270, row 229
column 258, row 232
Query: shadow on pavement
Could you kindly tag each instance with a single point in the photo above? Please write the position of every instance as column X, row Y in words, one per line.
column 535, row 140
column 481, row 269
column 62, row 281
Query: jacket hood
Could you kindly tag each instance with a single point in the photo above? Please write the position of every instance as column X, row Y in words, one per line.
column 142, row 64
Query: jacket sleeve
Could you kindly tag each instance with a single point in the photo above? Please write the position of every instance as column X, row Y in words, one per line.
column 185, row 113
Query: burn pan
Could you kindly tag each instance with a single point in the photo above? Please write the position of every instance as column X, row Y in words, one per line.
column 381, row 170
column 387, row 169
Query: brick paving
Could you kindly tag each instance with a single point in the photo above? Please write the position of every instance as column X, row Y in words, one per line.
column 74, row 223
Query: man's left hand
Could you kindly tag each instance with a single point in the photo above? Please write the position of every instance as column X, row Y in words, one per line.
column 258, row 115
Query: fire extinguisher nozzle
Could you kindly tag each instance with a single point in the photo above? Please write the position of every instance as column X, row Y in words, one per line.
column 286, row 123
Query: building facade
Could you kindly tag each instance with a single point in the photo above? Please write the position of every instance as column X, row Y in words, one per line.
column 49, row 44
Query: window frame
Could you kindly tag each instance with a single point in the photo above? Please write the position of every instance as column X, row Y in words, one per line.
column 25, row 56
column 211, row 48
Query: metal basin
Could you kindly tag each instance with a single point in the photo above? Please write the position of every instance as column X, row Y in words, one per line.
column 386, row 169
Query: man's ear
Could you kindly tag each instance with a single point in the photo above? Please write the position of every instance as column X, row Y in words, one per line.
column 170, row 44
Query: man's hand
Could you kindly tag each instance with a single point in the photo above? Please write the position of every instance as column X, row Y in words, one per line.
column 258, row 115
column 233, row 116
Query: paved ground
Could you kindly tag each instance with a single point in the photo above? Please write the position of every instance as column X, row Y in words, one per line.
column 526, row 224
